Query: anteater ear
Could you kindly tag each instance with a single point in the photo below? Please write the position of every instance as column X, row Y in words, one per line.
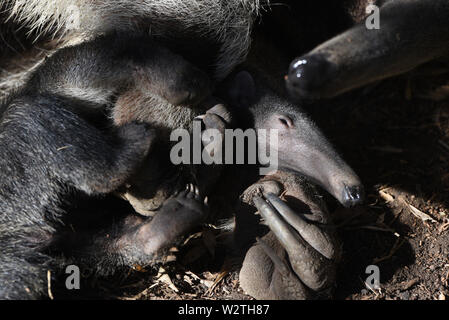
column 243, row 89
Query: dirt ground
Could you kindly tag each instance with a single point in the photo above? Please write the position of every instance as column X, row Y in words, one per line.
column 398, row 143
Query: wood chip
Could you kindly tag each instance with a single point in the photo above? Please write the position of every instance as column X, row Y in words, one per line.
column 207, row 283
column 165, row 279
column 443, row 227
column 419, row 214
column 387, row 197
column 188, row 280
column 217, row 280
column 194, row 276
column 408, row 284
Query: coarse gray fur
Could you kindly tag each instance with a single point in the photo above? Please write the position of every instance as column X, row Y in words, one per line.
column 227, row 22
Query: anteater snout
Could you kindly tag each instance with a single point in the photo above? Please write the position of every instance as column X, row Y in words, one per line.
column 353, row 196
column 308, row 76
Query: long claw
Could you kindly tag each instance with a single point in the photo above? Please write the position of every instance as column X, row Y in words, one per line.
column 307, row 263
column 191, row 191
column 311, row 233
column 197, row 193
column 280, row 228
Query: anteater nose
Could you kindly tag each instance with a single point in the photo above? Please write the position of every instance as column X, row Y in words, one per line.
column 307, row 75
column 353, row 195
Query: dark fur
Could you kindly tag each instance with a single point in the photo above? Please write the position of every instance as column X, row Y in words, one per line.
column 412, row 33
column 58, row 141
column 78, row 90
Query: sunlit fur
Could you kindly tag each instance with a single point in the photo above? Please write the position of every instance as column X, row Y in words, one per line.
column 230, row 22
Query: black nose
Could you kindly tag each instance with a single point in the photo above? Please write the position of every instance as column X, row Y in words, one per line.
column 308, row 76
column 353, row 195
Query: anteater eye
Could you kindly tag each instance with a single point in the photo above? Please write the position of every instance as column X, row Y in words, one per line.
column 286, row 121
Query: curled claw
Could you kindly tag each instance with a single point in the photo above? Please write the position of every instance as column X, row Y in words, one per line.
column 212, row 139
column 221, row 111
column 200, row 117
column 214, row 122
column 307, row 262
column 197, row 193
column 218, row 117
column 311, row 233
column 193, row 191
